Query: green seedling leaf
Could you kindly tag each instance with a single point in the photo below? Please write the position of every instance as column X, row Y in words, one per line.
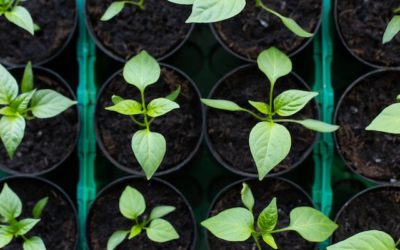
column 38, row 208
column 292, row 101
column 34, row 243
column 268, row 218
column 392, row 29
column 131, row 203
column 8, row 87
column 27, row 79
column 135, row 231
column 261, row 106
column 5, row 237
column 174, row 95
column 161, row 106
column 269, row 239
column 10, row 204
column 388, row 120
column 116, row 99
column 126, row 107
column 369, row 240
column 25, row 225
column 12, row 129
column 114, row 9
column 274, row 63
column 222, row 104
column 116, row 239
column 149, row 149
column 161, row 231
column 316, row 125
column 269, row 143
column 22, row 18
column 235, row 224
column 20, row 104
column 142, row 71
column 398, row 98
column 294, row 27
column 161, row 211
column 187, row 2
column 247, row 197
column 210, row 11
column 7, row 111
column 47, row 103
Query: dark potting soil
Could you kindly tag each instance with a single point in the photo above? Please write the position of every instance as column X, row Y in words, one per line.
column 362, row 25
column 377, row 209
column 288, row 198
column 229, row 131
column 255, row 30
column 371, row 154
column 56, row 20
column 181, row 127
column 47, row 142
column 58, row 226
column 105, row 218
column 159, row 29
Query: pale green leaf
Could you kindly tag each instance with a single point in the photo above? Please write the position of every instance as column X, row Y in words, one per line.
column 222, row 104
column 27, row 79
column 10, row 204
column 210, row 11
column 294, row 27
column 5, row 237
column 38, row 208
column 161, row 211
column 116, row 239
column 274, row 63
column 268, row 218
column 369, row 240
column 12, row 129
column 261, row 106
column 269, row 239
column 25, row 225
column 21, row 103
column 21, row 17
column 392, row 29
column 292, row 101
column 34, row 243
column 174, row 95
column 388, row 120
column 161, row 106
column 114, row 9
column 8, row 87
column 47, row 103
column 135, row 231
column 126, row 107
column 116, row 99
column 316, row 125
column 188, row 2
column 7, row 111
column 161, row 231
column 131, row 203
column 247, row 197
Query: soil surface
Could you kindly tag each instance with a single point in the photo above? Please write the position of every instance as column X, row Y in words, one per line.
column 255, row 29
column 362, row 25
column 56, row 26
column 159, row 29
column 229, row 131
column 372, row 154
column 375, row 210
column 181, row 127
column 288, row 198
column 105, row 218
column 47, row 142
column 58, row 226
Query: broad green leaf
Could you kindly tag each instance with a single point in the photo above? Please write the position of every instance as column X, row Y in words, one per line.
column 270, row 143
column 274, row 63
column 210, row 11
column 131, row 203
column 21, row 103
column 114, row 9
column 161, row 211
column 116, row 99
column 388, row 120
column 294, row 27
column 25, row 225
column 34, row 243
column 5, row 237
column 38, row 208
column 188, row 2
column 392, row 29
column 174, row 94
column 142, row 71
column 47, row 103
column 22, row 18
column 161, row 231
column 235, row 224
column 8, row 87
column 10, row 204
column 269, row 239
column 398, row 98
column 7, row 111
column 369, row 240
column 247, row 197
column 135, row 231
column 126, row 107
column 161, row 106
column 12, row 129
column 222, row 104
column 292, row 101
column 316, row 125
column 116, row 239
column 268, row 218
column 149, row 149
column 311, row 224
column 27, row 79
column 261, row 106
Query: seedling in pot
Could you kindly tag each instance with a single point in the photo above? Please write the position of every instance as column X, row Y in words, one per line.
column 393, row 27
column 149, row 147
column 210, row 11
column 32, row 103
column 368, row 240
column 12, row 228
column 388, row 120
column 270, row 142
column 237, row 224
column 132, row 206
column 18, row 15
column 116, row 7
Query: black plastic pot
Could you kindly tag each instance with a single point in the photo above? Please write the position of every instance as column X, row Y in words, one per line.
column 198, row 114
column 218, row 156
column 53, row 226
column 44, row 124
column 154, row 188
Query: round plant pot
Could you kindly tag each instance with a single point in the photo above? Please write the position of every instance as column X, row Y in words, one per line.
column 373, row 155
column 228, row 133
column 160, row 28
column 373, row 209
column 182, row 128
column 255, row 29
column 104, row 217
column 57, row 27
column 49, row 142
column 289, row 196
column 58, row 226
column 361, row 25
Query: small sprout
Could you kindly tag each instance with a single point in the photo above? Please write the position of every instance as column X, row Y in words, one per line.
column 368, row 240
column 148, row 147
column 12, row 228
column 210, row 11
column 270, row 142
column 388, row 121
column 17, row 14
column 238, row 224
column 16, row 109
column 393, row 27
column 132, row 205
column 116, row 7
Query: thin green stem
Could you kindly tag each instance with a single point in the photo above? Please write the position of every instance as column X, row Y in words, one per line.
column 255, row 115
column 398, row 243
column 271, row 98
column 139, row 4
column 280, row 230
column 24, row 238
column 397, row 11
column 286, row 120
column 137, row 122
column 260, row 4
column 256, row 237
column 146, row 122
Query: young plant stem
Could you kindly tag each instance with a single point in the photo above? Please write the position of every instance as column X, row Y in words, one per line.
column 271, row 98
column 146, row 122
column 397, row 11
column 137, row 122
column 257, row 240
column 139, row 4
column 280, row 230
column 260, row 4
column 254, row 114
column 398, row 243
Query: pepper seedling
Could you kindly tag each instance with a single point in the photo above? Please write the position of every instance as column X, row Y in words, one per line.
column 116, row 7
column 368, row 240
column 393, row 27
column 16, row 109
column 12, row 228
column 18, row 15
column 237, row 224
column 270, row 142
column 132, row 205
column 210, row 11
column 388, row 121
column 148, row 147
